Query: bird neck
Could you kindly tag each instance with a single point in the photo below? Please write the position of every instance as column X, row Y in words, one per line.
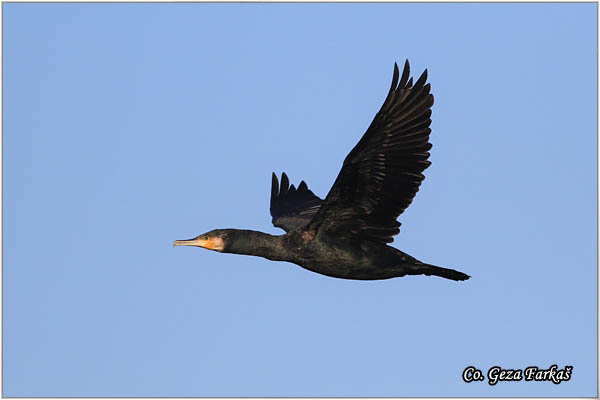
column 254, row 243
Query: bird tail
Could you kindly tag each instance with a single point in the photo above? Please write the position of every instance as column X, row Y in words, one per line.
column 428, row 269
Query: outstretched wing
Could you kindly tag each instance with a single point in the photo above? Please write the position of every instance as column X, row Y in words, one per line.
column 292, row 208
column 383, row 172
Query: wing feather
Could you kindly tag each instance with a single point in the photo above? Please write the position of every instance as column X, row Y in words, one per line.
column 383, row 172
column 292, row 207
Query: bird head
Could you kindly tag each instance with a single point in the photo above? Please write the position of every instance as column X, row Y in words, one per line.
column 213, row 240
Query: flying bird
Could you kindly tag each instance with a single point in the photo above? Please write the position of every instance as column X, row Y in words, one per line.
column 346, row 235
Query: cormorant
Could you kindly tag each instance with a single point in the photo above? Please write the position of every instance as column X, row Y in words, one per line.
column 346, row 235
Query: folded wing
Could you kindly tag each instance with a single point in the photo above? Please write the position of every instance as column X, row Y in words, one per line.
column 292, row 207
column 383, row 172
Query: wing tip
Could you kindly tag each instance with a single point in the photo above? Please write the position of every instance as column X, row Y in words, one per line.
column 284, row 185
column 274, row 189
column 422, row 79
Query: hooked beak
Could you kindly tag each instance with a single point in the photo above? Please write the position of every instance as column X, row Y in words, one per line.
column 211, row 243
column 194, row 242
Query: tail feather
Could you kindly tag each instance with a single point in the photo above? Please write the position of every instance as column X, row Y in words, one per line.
column 428, row 269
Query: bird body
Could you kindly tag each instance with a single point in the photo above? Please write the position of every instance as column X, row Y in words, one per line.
column 346, row 235
column 327, row 255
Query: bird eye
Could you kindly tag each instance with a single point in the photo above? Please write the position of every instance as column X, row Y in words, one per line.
column 205, row 237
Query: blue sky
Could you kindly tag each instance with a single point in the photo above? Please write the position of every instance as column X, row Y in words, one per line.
column 127, row 126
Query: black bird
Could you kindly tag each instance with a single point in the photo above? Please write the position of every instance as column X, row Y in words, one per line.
column 346, row 235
